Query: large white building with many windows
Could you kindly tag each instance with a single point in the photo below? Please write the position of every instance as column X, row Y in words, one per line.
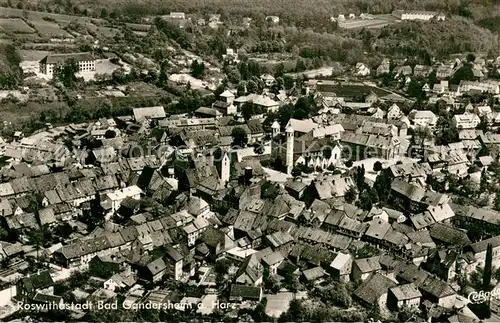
column 85, row 61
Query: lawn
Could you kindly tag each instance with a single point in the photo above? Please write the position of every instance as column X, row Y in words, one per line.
column 15, row 26
column 139, row 27
column 50, row 29
column 351, row 90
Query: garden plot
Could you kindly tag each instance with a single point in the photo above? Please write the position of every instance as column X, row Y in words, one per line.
column 15, row 26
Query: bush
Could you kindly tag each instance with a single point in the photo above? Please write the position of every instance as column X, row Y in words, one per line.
column 349, row 163
column 377, row 166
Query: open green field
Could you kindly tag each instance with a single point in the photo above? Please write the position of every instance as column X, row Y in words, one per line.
column 38, row 16
column 351, row 90
column 15, row 26
column 50, row 29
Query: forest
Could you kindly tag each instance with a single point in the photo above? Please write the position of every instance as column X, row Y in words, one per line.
column 298, row 11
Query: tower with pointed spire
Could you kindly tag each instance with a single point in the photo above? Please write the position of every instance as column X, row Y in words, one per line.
column 225, row 169
column 275, row 141
column 289, row 148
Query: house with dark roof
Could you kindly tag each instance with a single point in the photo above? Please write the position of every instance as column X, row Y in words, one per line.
column 449, row 235
column 374, row 290
column 478, row 251
column 442, row 263
column 30, row 285
column 250, row 272
column 85, row 61
column 363, row 268
column 245, row 292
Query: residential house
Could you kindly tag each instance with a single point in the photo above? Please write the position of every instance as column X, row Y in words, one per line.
column 384, row 67
column 374, row 290
column 363, row 268
column 272, row 262
column 341, row 267
column 394, row 112
column 404, row 297
column 490, row 86
column 466, row 120
column 424, row 118
column 478, row 250
column 39, row 283
column 244, row 292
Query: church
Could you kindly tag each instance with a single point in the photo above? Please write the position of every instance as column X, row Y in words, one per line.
column 306, row 142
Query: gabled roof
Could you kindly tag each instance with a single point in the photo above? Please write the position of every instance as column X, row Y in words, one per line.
column 61, row 58
column 374, row 287
column 157, row 112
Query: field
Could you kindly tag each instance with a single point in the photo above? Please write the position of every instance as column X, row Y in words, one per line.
column 351, row 90
column 15, row 26
column 379, row 22
column 139, row 27
column 50, row 29
column 38, row 16
column 324, row 71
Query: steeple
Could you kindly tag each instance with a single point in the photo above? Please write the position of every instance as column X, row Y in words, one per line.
column 225, row 168
column 289, row 148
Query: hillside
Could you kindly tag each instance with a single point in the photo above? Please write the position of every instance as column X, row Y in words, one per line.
column 438, row 39
column 10, row 73
column 286, row 9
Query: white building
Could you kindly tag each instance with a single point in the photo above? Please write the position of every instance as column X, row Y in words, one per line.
column 118, row 196
column 394, row 112
column 424, row 118
column 418, row 15
column 466, row 120
column 485, row 87
column 177, row 15
column 85, row 61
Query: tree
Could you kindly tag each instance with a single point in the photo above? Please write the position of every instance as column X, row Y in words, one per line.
column 483, row 185
column 446, row 131
column 300, row 66
column 464, row 73
column 470, row 58
column 288, row 82
column 96, row 214
column 252, row 87
column 359, row 177
column 197, row 69
column 163, row 77
column 241, row 88
column 66, row 73
column 239, row 135
column 497, row 200
column 382, row 186
column 38, row 237
column 350, row 195
column 421, row 135
column 377, row 166
column 488, row 267
column 279, row 70
column 415, row 89
column 366, row 199
column 109, row 134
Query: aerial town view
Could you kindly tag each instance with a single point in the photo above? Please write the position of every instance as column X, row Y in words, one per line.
column 250, row 161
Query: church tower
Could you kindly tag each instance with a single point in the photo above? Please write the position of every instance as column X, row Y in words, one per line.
column 289, row 148
column 225, row 169
column 274, row 139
